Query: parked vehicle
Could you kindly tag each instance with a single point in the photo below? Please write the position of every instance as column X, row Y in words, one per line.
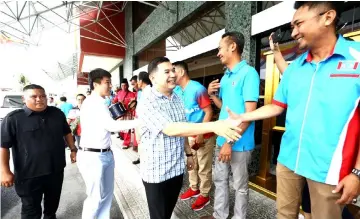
column 9, row 101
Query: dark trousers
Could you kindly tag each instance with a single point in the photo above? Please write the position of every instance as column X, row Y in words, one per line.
column 31, row 192
column 162, row 197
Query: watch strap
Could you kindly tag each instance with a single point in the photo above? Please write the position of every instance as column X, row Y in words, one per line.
column 356, row 172
column 189, row 155
column 74, row 149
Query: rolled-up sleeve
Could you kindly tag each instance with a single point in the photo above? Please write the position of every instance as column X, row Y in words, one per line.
column 7, row 132
column 152, row 116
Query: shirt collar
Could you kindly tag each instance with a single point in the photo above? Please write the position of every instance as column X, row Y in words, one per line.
column 160, row 95
column 28, row 111
column 97, row 96
column 237, row 68
column 339, row 49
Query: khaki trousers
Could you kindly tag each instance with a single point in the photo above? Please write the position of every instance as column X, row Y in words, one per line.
column 201, row 176
column 288, row 196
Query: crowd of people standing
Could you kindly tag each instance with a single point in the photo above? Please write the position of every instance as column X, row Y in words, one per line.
column 168, row 116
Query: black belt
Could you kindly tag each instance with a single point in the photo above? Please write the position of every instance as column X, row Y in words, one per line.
column 95, row 149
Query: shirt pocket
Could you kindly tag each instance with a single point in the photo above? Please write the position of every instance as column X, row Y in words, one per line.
column 30, row 129
column 31, row 136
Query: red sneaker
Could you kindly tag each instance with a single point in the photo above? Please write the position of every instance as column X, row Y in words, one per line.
column 189, row 194
column 200, row 203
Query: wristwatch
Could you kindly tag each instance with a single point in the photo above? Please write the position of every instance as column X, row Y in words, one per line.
column 74, row 149
column 189, row 155
column 230, row 142
column 356, row 172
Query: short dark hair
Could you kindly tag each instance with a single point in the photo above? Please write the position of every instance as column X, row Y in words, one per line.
column 153, row 65
column 331, row 5
column 124, row 81
column 96, row 75
column 183, row 65
column 80, row 95
column 63, row 99
column 236, row 37
column 135, row 78
column 144, row 77
column 32, row 87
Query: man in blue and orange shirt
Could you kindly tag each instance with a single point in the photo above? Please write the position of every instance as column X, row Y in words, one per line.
column 321, row 92
column 197, row 109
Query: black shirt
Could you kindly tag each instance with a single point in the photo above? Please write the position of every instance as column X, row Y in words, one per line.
column 37, row 141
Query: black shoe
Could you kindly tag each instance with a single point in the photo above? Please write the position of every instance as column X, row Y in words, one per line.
column 136, row 161
column 126, row 147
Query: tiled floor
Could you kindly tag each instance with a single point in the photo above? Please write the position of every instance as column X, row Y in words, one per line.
column 131, row 197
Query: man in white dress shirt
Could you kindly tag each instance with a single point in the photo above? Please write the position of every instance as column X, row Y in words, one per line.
column 95, row 159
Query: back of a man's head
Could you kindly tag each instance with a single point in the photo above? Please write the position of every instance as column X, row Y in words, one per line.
column 144, row 77
column 63, row 99
column 153, row 65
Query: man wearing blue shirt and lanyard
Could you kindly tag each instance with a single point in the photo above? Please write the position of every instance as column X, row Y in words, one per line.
column 321, row 91
column 239, row 90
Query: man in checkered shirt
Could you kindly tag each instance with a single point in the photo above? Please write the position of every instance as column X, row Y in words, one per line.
column 162, row 135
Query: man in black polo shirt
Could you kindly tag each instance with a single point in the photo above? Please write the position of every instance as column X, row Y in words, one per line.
column 36, row 135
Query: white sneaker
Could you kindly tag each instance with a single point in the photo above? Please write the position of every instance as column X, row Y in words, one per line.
column 301, row 216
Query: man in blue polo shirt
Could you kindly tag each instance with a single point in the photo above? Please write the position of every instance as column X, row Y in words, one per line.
column 321, row 91
column 239, row 90
column 197, row 109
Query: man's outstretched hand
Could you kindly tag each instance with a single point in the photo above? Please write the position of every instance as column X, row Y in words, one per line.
column 227, row 128
column 234, row 118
